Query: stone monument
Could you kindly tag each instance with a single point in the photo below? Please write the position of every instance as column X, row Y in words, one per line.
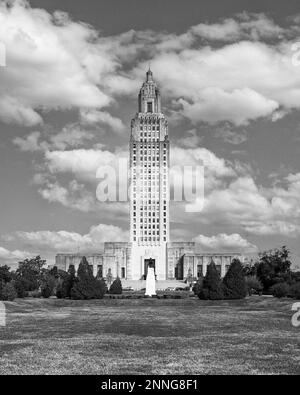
column 150, row 280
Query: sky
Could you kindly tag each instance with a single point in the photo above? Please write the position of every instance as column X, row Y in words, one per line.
column 229, row 75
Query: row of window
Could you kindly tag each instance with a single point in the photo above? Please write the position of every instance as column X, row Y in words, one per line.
column 150, row 158
column 134, row 218
column 149, row 214
column 149, row 146
column 149, row 239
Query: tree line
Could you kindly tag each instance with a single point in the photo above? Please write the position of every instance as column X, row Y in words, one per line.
column 32, row 279
column 271, row 274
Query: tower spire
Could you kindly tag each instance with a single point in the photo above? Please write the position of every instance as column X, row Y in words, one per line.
column 149, row 75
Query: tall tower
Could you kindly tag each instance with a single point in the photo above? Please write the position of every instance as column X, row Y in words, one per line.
column 149, row 173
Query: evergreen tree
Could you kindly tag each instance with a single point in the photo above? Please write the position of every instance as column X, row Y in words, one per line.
column 85, row 285
column 66, row 283
column 198, row 285
column 48, row 283
column 234, row 283
column 212, row 288
column 116, row 287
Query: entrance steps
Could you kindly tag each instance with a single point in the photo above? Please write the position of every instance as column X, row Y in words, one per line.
column 160, row 285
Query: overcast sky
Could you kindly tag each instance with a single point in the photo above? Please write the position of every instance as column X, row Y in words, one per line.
column 230, row 83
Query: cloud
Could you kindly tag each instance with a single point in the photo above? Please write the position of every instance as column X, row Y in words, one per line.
column 273, row 228
column 60, row 67
column 74, row 196
column 81, row 162
column 71, row 136
column 91, row 117
column 247, row 76
column 235, row 137
column 70, row 242
column 191, row 139
column 245, row 26
column 9, row 257
column 237, row 106
column 224, row 242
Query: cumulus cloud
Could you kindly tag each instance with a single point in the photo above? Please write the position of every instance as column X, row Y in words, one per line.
column 81, row 162
column 224, row 242
column 71, row 136
column 71, row 65
column 70, row 242
column 231, row 136
column 191, row 139
column 8, row 257
column 92, row 117
column 245, row 26
column 60, row 68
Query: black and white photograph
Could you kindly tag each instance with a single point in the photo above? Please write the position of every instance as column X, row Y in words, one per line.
column 150, row 190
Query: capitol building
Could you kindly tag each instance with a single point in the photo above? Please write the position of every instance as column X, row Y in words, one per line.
column 149, row 223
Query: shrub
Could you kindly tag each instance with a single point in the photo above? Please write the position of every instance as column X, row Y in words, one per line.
column 8, row 292
column 212, row 288
column 234, row 282
column 198, row 286
column 116, row 287
column 254, row 285
column 35, row 294
column 295, row 291
column 280, row 290
column 85, row 285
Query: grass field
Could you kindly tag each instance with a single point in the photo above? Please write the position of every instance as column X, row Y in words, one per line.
column 254, row 336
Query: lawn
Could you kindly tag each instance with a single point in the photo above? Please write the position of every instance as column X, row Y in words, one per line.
column 149, row 336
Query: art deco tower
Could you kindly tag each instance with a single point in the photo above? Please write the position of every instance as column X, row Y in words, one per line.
column 149, row 172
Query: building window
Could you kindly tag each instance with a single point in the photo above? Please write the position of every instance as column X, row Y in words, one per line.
column 149, row 107
column 123, row 272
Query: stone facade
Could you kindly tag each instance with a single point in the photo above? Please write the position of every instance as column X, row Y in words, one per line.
column 149, row 208
column 183, row 260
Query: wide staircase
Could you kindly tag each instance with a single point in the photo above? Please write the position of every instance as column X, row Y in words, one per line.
column 160, row 285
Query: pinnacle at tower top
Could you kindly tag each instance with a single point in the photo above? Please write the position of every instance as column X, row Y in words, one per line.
column 149, row 96
column 149, row 172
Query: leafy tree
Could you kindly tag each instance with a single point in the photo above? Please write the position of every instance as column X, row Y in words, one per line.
column 212, row 288
column 5, row 274
column 280, row 290
column 21, row 286
column 295, row 291
column 274, row 267
column 234, row 283
column 85, row 285
column 116, row 287
column 31, row 270
column 8, row 291
column 66, row 283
